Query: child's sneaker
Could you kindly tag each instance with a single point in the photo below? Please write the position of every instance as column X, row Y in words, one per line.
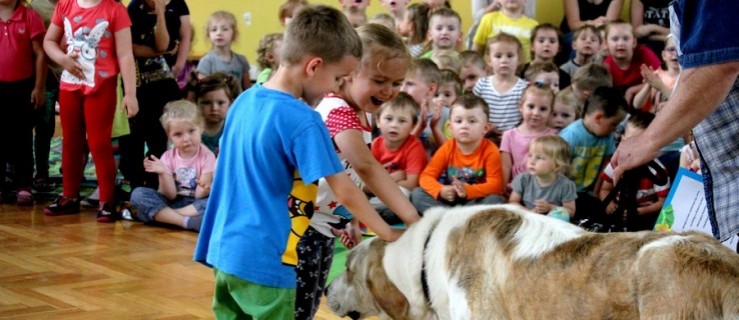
column 128, row 212
column 24, row 197
column 63, row 205
column 107, row 212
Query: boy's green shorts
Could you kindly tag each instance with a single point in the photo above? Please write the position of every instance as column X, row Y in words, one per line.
column 235, row 298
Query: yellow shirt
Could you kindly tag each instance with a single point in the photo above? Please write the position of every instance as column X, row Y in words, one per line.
column 497, row 22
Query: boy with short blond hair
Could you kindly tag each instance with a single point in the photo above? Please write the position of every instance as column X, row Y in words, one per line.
column 586, row 79
column 274, row 143
column 466, row 169
column 444, row 32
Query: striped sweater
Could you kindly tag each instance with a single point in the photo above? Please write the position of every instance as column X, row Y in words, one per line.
column 504, row 112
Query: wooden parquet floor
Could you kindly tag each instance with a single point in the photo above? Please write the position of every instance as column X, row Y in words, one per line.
column 71, row 267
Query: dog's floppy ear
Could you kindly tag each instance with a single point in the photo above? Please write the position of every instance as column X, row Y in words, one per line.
column 387, row 295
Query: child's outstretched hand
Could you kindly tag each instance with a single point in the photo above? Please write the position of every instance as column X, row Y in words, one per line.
column 131, row 105
column 650, row 77
column 153, row 164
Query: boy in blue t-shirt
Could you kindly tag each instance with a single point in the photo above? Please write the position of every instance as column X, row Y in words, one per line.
column 592, row 143
column 270, row 136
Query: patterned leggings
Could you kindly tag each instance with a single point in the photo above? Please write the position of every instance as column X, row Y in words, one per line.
column 315, row 254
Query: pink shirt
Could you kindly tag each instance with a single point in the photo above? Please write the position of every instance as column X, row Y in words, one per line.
column 90, row 32
column 186, row 172
column 16, row 57
column 517, row 145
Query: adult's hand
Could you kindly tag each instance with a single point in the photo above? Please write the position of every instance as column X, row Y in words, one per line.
column 633, row 153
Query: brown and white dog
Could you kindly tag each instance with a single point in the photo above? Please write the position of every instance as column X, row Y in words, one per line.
column 501, row 262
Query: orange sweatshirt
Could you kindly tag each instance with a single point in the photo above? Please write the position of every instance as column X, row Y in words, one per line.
column 481, row 171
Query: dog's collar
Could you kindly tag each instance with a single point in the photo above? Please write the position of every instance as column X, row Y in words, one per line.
column 424, row 278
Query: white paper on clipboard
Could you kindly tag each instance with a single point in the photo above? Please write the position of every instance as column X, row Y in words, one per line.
column 685, row 207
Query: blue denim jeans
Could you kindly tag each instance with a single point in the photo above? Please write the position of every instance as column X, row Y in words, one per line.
column 149, row 202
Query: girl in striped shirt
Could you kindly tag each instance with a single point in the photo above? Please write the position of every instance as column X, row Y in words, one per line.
column 503, row 90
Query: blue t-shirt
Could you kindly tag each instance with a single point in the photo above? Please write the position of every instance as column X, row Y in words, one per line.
column 268, row 135
column 586, row 153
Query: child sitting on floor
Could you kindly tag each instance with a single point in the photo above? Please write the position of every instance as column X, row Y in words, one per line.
column 466, row 169
column 543, row 188
column 397, row 150
column 185, row 172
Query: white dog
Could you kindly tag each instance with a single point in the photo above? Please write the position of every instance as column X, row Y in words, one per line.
column 501, row 262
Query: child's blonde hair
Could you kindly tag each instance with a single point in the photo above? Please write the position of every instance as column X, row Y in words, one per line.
column 320, row 31
column 266, row 47
column 620, row 22
column 554, row 147
column 567, row 97
column 182, row 111
column 505, row 37
column 383, row 19
column 591, row 76
column 402, row 102
column 447, row 60
column 472, row 58
column 426, row 70
column 587, row 27
column 538, row 89
column 225, row 16
column 380, row 44
column 536, row 68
